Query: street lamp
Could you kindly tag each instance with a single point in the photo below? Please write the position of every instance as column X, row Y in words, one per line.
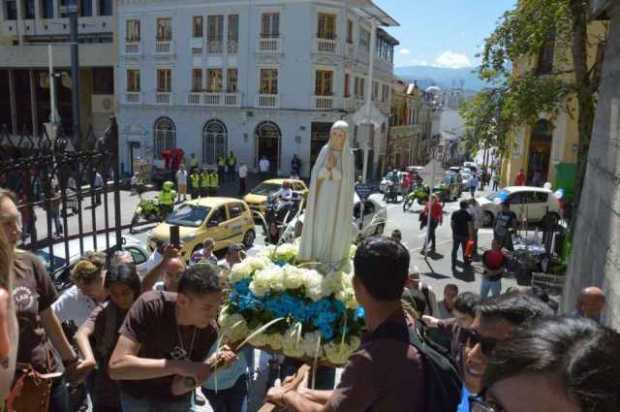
column 71, row 9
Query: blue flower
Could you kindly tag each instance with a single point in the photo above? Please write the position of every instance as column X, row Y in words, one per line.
column 359, row 313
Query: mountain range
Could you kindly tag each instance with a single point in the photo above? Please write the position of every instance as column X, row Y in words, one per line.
column 425, row 76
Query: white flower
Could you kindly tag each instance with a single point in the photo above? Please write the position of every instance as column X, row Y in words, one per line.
column 338, row 353
column 332, row 283
column 258, row 262
column 309, row 342
column 294, row 277
column 314, row 285
column 291, row 342
column 233, row 326
column 239, row 272
column 267, row 279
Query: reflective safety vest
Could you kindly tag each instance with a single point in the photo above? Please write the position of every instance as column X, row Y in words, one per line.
column 232, row 160
column 166, row 198
column 194, row 162
column 221, row 161
column 214, row 180
column 194, row 180
column 204, row 180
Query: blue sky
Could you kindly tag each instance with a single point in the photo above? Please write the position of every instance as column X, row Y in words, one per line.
column 446, row 33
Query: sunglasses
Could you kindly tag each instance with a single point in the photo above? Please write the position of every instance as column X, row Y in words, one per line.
column 471, row 338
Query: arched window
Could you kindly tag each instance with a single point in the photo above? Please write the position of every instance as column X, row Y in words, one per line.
column 214, row 141
column 164, row 136
column 268, row 136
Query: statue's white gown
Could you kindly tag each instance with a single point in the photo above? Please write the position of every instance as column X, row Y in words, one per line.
column 327, row 233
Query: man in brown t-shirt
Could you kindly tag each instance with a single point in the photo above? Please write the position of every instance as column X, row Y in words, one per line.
column 384, row 374
column 164, row 341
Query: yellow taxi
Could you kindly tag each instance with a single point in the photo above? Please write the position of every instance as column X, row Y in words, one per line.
column 257, row 198
column 226, row 220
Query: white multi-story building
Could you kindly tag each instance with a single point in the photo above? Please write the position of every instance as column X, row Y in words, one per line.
column 256, row 78
column 26, row 29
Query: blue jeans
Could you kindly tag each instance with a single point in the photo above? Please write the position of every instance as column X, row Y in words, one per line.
column 234, row 399
column 131, row 404
column 495, row 287
column 59, row 396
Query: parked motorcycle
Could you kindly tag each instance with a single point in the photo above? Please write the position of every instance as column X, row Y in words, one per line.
column 279, row 214
column 391, row 193
column 147, row 210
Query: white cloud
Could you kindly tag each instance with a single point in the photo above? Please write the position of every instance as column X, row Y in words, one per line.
column 452, row 60
column 405, row 51
column 418, row 62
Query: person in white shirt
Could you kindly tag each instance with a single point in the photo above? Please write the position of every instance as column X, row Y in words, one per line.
column 181, row 183
column 243, row 174
column 285, row 195
column 263, row 166
column 475, row 212
column 77, row 302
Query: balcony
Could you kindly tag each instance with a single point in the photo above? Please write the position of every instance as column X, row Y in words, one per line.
column 270, row 45
column 133, row 98
column 212, row 99
column 232, row 99
column 193, row 99
column 164, row 47
column 215, row 47
column 352, row 103
column 322, row 45
column 132, row 48
column 268, row 101
column 233, row 47
column 324, row 102
column 164, row 98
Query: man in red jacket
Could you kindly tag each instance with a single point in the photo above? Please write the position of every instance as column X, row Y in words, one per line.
column 436, row 219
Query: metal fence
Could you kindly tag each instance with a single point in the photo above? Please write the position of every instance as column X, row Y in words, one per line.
column 60, row 191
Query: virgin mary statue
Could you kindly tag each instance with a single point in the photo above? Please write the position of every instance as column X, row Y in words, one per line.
column 327, row 230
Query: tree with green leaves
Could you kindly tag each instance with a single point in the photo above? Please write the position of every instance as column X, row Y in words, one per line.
column 518, row 98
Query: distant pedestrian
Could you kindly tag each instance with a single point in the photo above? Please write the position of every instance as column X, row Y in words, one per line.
column 473, row 185
column 462, row 231
column 221, row 167
column 520, row 179
column 436, row 212
column 495, row 180
column 204, row 254
column 263, row 166
column 505, row 224
column 194, row 179
column 537, row 179
column 204, row 183
column 231, row 165
column 295, row 166
column 476, row 214
column 98, row 187
column 243, row 174
column 181, row 183
column 494, row 265
column 53, row 211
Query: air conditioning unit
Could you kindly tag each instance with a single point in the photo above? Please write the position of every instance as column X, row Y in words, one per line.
column 103, row 103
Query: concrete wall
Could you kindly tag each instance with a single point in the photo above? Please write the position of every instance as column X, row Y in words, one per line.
column 595, row 258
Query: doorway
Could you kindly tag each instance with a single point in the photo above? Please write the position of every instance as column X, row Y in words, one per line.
column 319, row 136
column 268, row 136
column 540, row 151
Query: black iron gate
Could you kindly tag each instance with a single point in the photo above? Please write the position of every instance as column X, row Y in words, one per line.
column 61, row 192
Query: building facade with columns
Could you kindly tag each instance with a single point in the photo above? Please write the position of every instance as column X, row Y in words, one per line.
column 26, row 29
column 257, row 79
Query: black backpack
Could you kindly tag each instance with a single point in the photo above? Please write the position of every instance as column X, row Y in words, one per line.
column 443, row 384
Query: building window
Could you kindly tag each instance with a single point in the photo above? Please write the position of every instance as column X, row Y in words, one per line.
column 270, row 25
column 365, row 39
column 214, row 80
column 268, row 81
column 324, row 81
column 86, row 8
column 347, row 85
column 47, row 9
column 10, row 10
column 164, row 80
column 105, row 7
column 164, row 29
column 233, row 33
column 326, row 26
column 546, row 56
column 359, row 87
column 132, row 34
column 197, row 27
column 231, row 80
column 385, row 93
column 103, row 80
column 215, row 33
column 350, row 31
column 133, row 80
column 375, row 90
column 214, row 141
column 164, row 136
column 196, row 80
column 29, row 9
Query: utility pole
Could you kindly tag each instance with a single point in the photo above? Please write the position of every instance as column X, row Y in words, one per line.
column 369, row 89
column 72, row 10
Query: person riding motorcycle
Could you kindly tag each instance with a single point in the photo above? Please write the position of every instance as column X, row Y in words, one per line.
column 166, row 198
column 285, row 195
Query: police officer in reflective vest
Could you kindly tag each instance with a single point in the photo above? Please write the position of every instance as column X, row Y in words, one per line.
column 166, row 198
column 214, row 183
column 204, row 183
column 194, row 181
column 221, row 166
column 231, row 164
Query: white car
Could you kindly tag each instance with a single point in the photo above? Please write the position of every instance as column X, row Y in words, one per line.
column 373, row 222
column 535, row 204
column 59, row 264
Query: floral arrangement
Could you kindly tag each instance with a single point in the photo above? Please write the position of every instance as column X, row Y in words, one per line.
column 305, row 314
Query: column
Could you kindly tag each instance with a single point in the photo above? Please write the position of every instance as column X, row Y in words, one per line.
column 20, row 21
column 56, row 12
column 37, row 12
column 33, row 103
column 95, row 8
column 12, row 102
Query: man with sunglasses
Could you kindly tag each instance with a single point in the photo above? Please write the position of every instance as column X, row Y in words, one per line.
column 495, row 321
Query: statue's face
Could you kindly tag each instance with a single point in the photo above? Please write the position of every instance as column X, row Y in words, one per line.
column 337, row 139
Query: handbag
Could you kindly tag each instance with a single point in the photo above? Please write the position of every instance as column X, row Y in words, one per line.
column 31, row 390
